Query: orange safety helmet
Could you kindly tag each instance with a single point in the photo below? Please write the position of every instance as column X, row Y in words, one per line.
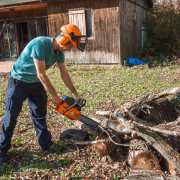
column 71, row 32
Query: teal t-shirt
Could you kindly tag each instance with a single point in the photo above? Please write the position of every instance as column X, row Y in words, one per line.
column 41, row 49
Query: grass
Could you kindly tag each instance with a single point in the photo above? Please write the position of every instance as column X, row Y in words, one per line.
column 104, row 88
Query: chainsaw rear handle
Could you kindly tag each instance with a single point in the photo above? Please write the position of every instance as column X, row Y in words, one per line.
column 81, row 103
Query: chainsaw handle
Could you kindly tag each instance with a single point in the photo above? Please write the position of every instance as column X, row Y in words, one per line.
column 50, row 100
column 82, row 103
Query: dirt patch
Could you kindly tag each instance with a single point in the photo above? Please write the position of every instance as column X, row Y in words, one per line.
column 6, row 66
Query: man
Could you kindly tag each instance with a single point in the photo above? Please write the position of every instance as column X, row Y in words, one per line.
column 28, row 79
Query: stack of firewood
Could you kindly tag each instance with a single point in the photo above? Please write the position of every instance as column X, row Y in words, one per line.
column 154, row 128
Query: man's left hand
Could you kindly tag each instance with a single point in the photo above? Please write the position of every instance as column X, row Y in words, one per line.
column 78, row 98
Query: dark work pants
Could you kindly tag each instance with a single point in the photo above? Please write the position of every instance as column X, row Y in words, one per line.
column 17, row 92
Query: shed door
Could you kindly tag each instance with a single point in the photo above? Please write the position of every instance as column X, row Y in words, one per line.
column 77, row 17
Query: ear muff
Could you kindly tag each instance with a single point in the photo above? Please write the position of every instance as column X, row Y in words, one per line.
column 64, row 39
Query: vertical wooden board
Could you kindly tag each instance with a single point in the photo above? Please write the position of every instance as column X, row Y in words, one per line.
column 58, row 23
column 53, row 26
column 116, row 37
column 137, row 32
column 118, row 31
column 121, row 25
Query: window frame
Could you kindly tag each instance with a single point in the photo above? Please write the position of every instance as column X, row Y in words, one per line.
column 75, row 11
column 92, row 18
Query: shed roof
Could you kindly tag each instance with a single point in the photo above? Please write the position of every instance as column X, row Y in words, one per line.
column 8, row 2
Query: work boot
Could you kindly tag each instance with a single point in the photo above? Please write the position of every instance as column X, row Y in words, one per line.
column 55, row 148
column 2, row 157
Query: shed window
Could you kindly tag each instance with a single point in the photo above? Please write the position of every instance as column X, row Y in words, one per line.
column 83, row 18
column 14, row 35
column 144, row 35
column 89, row 23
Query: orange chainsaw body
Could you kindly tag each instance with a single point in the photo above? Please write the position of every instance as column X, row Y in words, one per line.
column 72, row 113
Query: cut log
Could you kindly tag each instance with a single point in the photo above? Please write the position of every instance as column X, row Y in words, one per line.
column 104, row 148
column 139, row 156
column 146, row 160
column 107, row 146
column 162, row 111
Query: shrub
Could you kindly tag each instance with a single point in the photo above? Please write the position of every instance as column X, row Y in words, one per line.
column 163, row 31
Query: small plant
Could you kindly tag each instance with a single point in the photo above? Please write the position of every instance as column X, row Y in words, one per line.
column 115, row 178
column 6, row 170
column 78, row 168
column 64, row 162
column 91, row 155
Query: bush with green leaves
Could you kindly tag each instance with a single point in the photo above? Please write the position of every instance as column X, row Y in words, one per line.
column 163, row 31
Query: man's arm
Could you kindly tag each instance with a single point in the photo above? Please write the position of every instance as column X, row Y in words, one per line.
column 67, row 80
column 41, row 73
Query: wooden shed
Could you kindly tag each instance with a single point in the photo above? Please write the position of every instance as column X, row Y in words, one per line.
column 116, row 29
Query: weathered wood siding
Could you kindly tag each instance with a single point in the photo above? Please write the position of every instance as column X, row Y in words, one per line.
column 130, row 32
column 105, row 48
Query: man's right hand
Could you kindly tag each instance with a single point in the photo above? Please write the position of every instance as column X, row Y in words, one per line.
column 56, row 100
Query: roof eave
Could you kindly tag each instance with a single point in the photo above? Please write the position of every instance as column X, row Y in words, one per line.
column 20, row 4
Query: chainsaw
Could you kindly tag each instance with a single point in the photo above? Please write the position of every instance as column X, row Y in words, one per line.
column 72, row 110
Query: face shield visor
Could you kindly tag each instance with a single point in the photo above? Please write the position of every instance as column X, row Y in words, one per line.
column 80, row 41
